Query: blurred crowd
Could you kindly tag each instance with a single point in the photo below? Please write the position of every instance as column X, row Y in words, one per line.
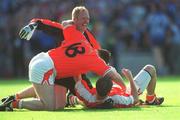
column 119, row 25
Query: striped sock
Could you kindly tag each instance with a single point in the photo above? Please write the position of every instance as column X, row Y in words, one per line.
column 15, row 104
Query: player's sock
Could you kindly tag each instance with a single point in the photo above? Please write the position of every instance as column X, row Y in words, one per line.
column 15, row 104
column 150, row 98
column 153, row 100
column 17, row 96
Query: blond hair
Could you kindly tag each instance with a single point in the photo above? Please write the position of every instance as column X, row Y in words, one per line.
column 77, row 10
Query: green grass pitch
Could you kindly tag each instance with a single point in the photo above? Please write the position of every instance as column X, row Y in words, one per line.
column 168, row 86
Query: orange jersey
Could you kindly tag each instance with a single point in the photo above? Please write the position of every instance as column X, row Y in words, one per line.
column 76, row 56
column 94, row 43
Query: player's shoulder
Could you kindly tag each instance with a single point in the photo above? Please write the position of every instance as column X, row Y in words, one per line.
column 71, row 33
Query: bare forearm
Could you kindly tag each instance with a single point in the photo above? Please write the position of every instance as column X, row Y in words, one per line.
column 119, row 79
column 116, row 77
column 134, row 91
column 127, row 73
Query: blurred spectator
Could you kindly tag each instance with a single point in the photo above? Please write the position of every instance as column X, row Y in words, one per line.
column 41, row 42
column 174, row 49
column 157, row 26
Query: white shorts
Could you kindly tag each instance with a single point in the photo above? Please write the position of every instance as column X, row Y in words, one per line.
column 41, row 69
column 141, row 81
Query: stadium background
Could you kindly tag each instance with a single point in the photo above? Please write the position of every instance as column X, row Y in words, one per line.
column 137, row 32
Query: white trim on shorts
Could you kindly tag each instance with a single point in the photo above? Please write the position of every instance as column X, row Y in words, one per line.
column 38, row 68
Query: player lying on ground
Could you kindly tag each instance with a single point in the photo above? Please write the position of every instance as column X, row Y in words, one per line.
column 119, row 95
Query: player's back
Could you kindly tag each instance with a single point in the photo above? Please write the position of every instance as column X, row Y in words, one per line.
column 75, row 55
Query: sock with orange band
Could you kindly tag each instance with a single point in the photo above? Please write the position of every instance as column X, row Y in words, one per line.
column 150, row 98
column 17, row 104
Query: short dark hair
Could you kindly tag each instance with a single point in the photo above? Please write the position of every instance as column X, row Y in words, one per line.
column 105, row 55
column 103, row 86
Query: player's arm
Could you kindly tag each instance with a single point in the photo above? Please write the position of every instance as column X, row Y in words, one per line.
column 51, row 28
column 127, row 73
column 47, row 25
column 114, row 75
column 99, row 67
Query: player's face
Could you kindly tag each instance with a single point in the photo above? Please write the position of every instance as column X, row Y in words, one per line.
column 82, row 21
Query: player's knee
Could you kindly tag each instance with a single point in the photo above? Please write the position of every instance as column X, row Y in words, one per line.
column 150, row 68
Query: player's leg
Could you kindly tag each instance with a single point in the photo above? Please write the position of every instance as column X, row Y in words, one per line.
column 152, row 83
column 44, row 101
column 48, row 104
column 42, row 75
column 146, row 79
column 28, row 92
column 25, row 93
column 151, row 98
column 69, row 84
column 60, row 95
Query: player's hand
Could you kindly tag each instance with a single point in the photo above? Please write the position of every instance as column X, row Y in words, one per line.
column 27, row 31
column 127, row 73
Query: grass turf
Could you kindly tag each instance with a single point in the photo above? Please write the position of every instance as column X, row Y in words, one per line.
column 166, row 86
